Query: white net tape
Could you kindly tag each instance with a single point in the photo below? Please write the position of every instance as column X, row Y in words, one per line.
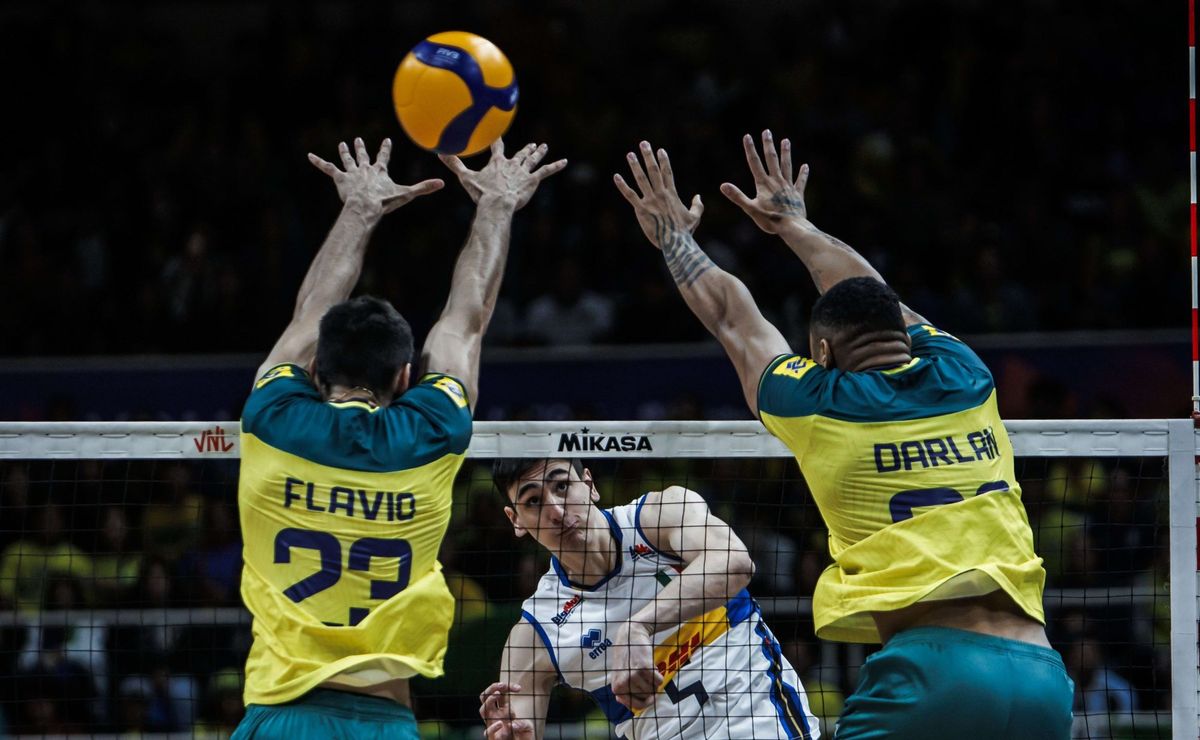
column 645, row 439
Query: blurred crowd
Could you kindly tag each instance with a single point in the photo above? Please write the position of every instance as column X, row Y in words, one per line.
column 120, row 609
column 1008, row 169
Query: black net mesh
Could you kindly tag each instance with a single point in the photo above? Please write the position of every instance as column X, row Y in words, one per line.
column 120, row 612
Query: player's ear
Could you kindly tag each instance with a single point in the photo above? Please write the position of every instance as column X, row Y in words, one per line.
column 824, row 354
column 511, row 513
column 402, row 379
column 593, row 494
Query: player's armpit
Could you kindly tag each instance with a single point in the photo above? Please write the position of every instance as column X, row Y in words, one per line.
column 452, row 348
column 297, row 345
column 749, row 339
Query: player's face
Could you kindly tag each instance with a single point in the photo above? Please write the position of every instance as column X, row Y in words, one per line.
column 553, row 503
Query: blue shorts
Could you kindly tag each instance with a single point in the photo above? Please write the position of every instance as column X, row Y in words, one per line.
column 324, row 713
column 939, row 682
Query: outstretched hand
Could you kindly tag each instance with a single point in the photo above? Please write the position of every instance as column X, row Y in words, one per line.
column 511, row 179
column 366, row 186
column 658, row 209
column 777, row 196
column 496, row 711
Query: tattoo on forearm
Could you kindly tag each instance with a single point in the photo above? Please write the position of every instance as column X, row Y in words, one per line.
column 684, row 258
column 834, row 241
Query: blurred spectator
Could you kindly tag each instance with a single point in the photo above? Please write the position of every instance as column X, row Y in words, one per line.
column 209, row 574
column 158, row 702
column 1098, row 688
column 28, row 565
column 171, row 520
column 57, row 693
column 117, row 564
column 77, row 639
column 1121, row 525
column 14, row 505
column 570, row 312
column 223, row 707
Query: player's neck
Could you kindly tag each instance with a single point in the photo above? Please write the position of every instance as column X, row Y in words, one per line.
column 343, row 393
column 873, row 351
column 590, row 564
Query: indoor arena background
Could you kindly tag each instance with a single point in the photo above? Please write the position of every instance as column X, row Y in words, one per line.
column 1018, row 172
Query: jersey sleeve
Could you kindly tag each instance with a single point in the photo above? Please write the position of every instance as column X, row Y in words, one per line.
column 277, row 387
column 791, row 386
column 442, row 401
column 929, row 341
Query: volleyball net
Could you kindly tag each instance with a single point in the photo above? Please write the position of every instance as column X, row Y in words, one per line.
column 120, row 558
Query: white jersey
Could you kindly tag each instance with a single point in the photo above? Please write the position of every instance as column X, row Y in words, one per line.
column 725, row 674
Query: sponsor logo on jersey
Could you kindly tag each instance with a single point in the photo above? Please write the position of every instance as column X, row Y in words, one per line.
column 676, row 659
column 639, row 551
column 451, row 388
column 566, row 610
column 794, row 367
column 595, row 640
column 279, row 371
column 585, row 441
column 214, row 440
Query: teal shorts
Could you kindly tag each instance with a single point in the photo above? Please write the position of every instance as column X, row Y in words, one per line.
column 936, row 682
column 323, row 713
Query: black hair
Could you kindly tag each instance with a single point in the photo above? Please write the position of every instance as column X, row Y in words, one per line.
column 858, row 304
column 508, row 470
column 363, row 342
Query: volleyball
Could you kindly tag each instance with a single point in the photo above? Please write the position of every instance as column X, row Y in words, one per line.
column 455, row 93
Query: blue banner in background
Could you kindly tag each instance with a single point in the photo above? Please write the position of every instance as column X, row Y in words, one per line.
column 1131, row 375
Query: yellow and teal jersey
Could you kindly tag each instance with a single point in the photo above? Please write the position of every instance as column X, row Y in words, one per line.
column 912, row 470
column 343, row 509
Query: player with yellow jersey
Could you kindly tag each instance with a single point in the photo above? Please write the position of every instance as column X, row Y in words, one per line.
column 346, row 473
column 895, row 426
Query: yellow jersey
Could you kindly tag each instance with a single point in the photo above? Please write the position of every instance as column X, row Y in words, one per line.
column 912, row 471
column 343, row 508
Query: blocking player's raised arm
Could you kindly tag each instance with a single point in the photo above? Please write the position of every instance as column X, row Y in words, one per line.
column 367, row 194
column 501, row 188
column 778, row 207
column 717, row 298
column 514, row 707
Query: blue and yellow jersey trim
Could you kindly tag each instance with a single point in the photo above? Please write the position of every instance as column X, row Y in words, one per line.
column 885, row 453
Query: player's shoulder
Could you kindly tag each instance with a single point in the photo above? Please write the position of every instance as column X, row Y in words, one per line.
column 792, row 385
column 439, row 388
column 284, row 379
column 666, row 505
column 277, row 396
column 441, row 401
column 931, row 341
column 668, row 495
column 524, row 633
